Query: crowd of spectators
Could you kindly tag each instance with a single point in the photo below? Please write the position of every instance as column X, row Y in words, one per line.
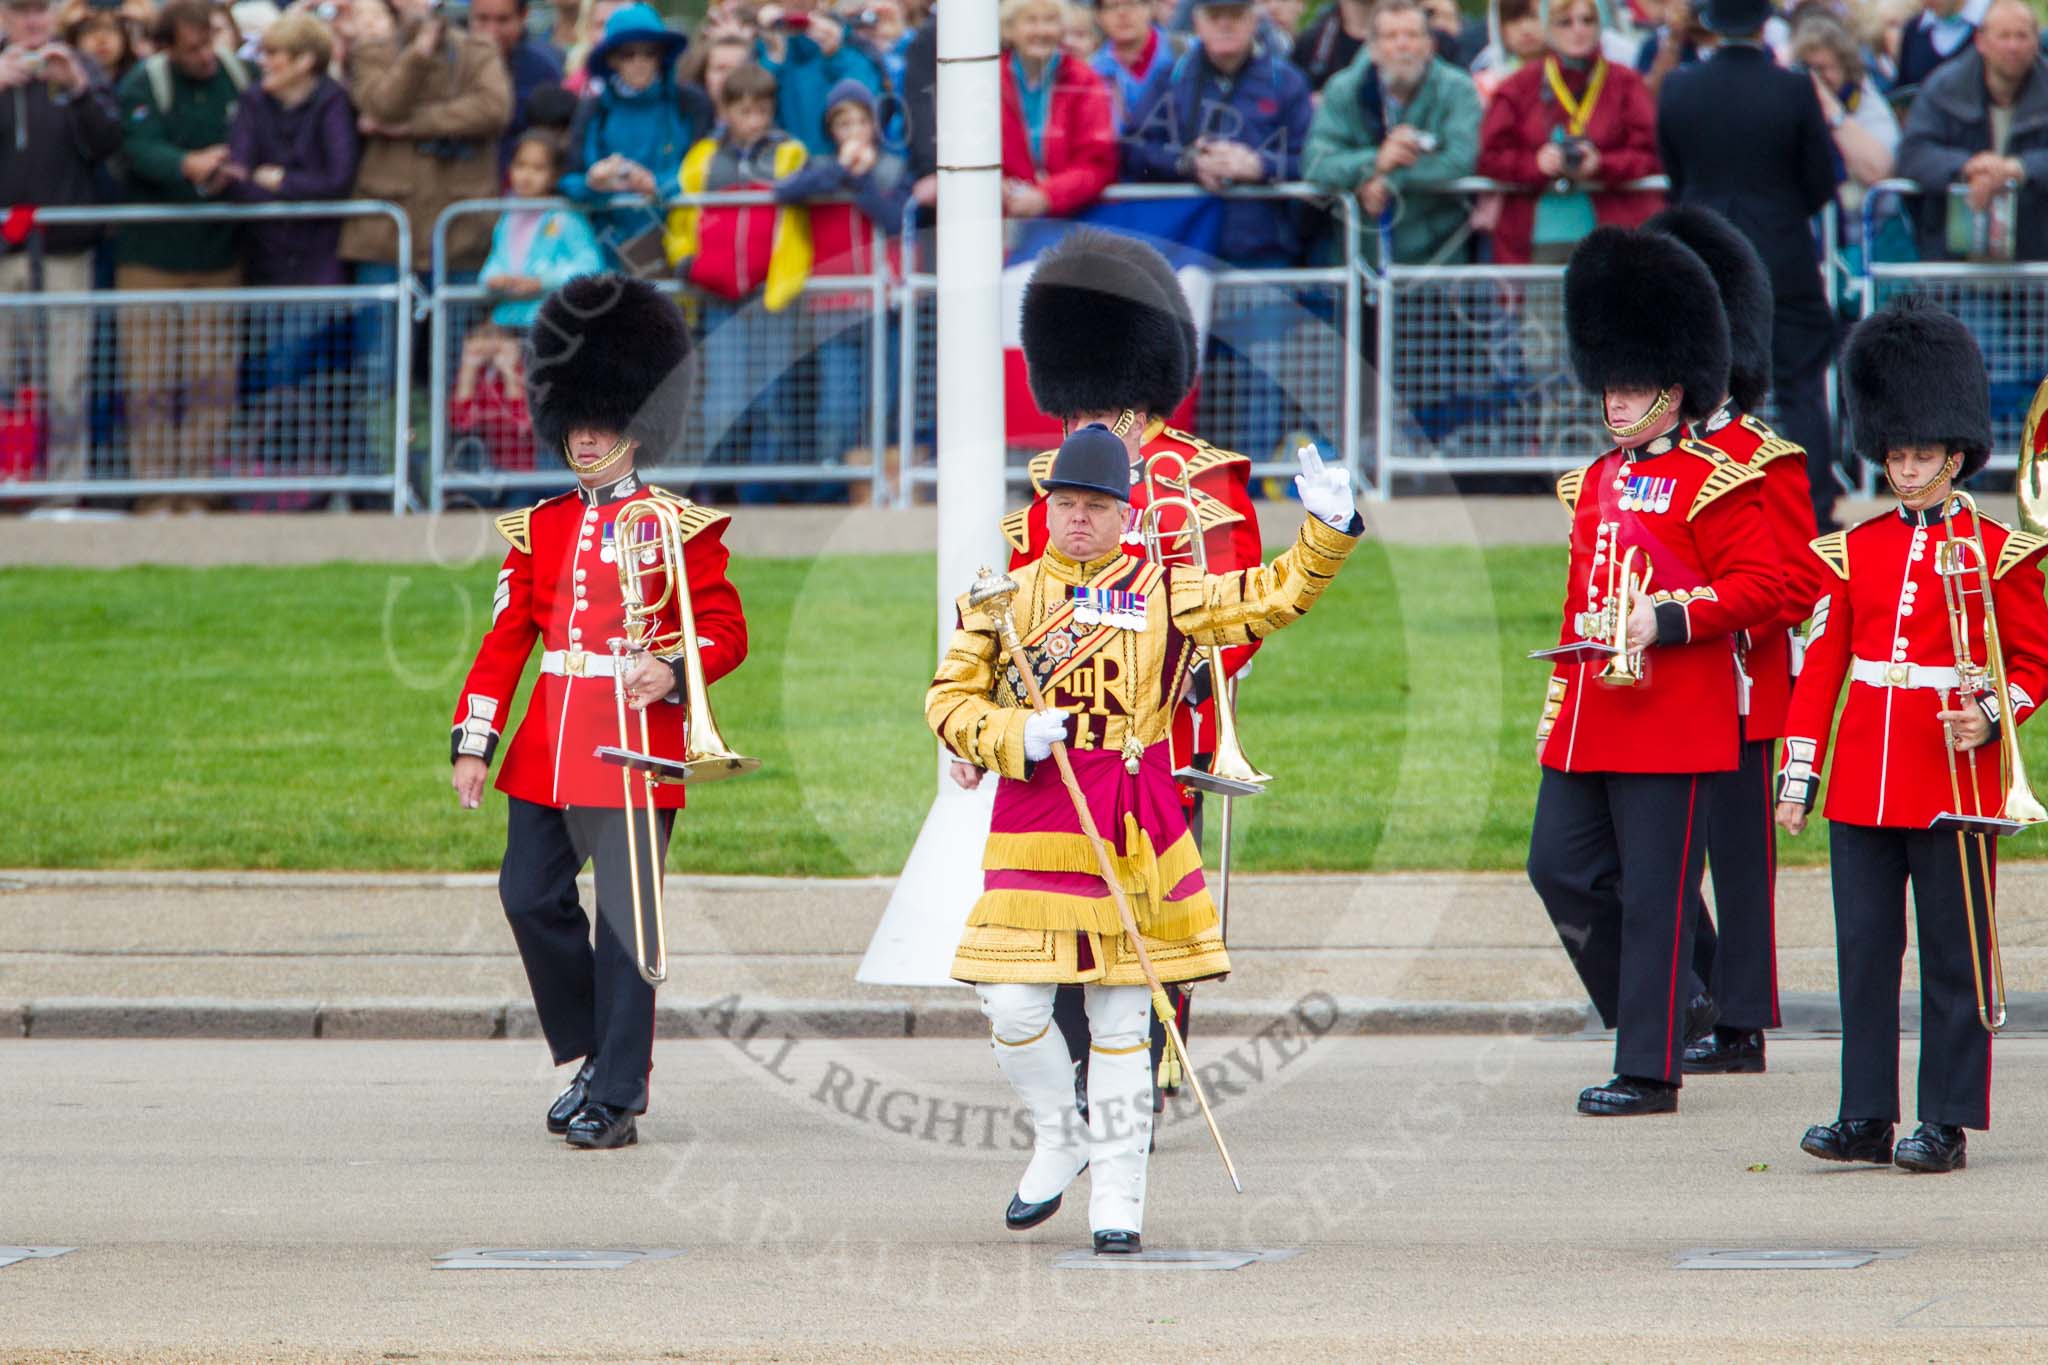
column 828, row 104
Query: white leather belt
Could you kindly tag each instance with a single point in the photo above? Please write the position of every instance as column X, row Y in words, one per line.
column 578, row 663
column 1879, row 674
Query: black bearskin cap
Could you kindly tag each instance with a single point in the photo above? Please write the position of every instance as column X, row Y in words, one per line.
column 1916, row 377
column 1641, row 311
column 1107, row 327
column 1745, row 295
column 609, row 352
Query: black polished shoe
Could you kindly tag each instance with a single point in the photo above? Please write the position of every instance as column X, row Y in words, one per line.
column 1850, row 1140
column 1700, row 1017
column 569, row 1101
column 599, row 1127
column 1021, row 1215
column 1627, row 1096
column 1727, row 1052
column 1933, row 1149
column 1081, row 1088
column 1117, row 1242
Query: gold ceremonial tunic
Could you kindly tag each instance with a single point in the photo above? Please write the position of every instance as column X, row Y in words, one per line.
column 1111, row 642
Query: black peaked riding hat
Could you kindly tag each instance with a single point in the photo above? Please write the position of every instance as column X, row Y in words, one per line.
column 1916, row 378
column 1745, row 287
column 1092, row 460
column 1641, row 312
column 608, row 352
column 1735, row 18
column 1105, row 326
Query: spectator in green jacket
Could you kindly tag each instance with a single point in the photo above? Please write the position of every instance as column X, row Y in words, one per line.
column 1397, row 118
column 175, row 108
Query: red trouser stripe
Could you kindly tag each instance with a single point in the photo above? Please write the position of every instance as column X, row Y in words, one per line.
column 1678, row 925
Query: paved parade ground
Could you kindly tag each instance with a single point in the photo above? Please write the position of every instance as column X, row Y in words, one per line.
column 1414, row 1198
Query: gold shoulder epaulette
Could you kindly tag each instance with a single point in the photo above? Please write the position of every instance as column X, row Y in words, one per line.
column 2018, row 545
column 1568, row 485
column 517, row 528
column 1206, row 456
column 1833, row 549
column 1773, row 445
column 691, row 517
column 1727, row 475
column 1040, row 466
column 1712, row 454
column 1017, row 530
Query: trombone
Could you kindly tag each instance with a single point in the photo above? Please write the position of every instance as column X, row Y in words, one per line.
column 652, row 577
column 1965, row 571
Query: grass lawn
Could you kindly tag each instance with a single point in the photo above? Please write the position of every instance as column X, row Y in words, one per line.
column 298, row 718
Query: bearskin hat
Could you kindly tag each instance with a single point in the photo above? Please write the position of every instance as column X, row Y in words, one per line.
column 1641, row 311
column 1916, row 377
column 1745, row 287
column 1107, row 327
column 608, row 352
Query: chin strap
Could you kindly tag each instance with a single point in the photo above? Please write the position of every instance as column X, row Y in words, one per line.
column 602, row 462
column 1657, row 412
column 1948, row 471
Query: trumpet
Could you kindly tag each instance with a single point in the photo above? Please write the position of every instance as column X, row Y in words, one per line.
column 652, row 577
column 1167, row 488
column 1610, row 600
column 1965, row 572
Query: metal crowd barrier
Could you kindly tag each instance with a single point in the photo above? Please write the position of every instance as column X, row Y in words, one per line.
column 1474, row 373
column 797, row 397
column 241, row 392
column 1298, row 373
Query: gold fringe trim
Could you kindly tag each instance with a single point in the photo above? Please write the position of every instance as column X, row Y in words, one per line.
column 1073, row 853
column 1011, row 909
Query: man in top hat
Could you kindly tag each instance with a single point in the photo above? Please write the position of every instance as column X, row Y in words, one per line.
column 1619, row 838
column 606, row 384
column 1110, row 638
column 1740, row 135
column 1915, row 738
column 1109, row 338
column 1738, row 964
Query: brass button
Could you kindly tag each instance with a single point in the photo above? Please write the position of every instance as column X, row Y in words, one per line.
column 1898, row 674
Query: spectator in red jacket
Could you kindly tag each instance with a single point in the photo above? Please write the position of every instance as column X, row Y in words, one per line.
column 1059, row 133
column 1559, row 127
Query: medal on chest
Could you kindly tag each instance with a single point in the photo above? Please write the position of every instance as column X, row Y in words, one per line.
column 1646, row 493
column 1112, row 607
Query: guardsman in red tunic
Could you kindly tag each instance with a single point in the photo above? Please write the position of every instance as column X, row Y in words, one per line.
column 606, row 380
column 1665, row 560
column 1919, row 405
column 1738, row 964
column 1109, row 339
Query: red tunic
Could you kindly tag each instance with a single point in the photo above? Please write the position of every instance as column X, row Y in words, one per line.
column 1788, row 507
column 1221, row 481
column 560, row 582
column 1694, row 513
column 1881, row 622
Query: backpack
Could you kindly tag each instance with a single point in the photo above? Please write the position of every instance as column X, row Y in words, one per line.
column 156, row 69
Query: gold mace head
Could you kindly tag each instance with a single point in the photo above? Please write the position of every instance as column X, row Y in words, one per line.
column 991, row 591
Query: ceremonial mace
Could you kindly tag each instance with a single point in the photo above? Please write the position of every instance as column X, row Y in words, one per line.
column 992, row 593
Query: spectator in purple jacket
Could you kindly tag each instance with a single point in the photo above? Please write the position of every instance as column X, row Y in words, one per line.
column 293, row 138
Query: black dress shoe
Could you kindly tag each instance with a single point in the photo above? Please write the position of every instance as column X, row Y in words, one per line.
column 599, row 1127
column 1626, row 1096
column 569, row 1101
column 1021, row 1215
column 1117, row 1242
column 1727, row 1052
column 1850, row 1140
column 1700, row 1017
column 1933, row 1149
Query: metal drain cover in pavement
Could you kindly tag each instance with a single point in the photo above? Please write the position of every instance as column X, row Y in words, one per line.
column 545, row 1258
column 1762, row 1258
column 1167, row 1260
column 9, row 1255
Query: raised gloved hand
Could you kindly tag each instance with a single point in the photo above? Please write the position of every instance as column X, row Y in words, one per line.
column 1325, row 489
column 1040, row 730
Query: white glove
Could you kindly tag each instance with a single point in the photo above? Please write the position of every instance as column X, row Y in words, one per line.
column 1041, row 728
column 1325, row 489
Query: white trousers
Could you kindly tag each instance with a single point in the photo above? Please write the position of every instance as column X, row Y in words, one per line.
column 1033, row 1056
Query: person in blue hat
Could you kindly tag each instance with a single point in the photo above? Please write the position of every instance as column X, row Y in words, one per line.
column 631, row 136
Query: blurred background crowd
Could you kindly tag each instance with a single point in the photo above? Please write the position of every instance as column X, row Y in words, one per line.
column 1575, row 110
